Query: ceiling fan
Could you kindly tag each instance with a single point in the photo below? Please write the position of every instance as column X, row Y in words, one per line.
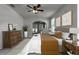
column 35, row 8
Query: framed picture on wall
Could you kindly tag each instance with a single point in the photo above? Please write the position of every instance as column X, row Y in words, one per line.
column 58, row 21
column 10, row 27
column 67, row 18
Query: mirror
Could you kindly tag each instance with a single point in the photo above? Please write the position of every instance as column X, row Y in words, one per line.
column 10, row 27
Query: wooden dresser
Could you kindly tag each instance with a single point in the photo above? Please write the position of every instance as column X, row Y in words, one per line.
column 11, row 38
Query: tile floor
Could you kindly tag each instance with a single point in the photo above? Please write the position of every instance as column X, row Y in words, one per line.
column 16, row 49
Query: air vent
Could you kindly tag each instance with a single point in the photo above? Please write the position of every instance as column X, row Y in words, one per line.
column 12, row 5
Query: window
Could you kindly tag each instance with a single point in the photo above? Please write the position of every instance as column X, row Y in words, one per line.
column 58, row 21
column 67, row 18
column 53, row 24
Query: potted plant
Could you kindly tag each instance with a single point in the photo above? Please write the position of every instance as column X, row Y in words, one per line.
column 25, row 28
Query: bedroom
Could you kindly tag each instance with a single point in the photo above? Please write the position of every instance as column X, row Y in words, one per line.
column 57, row 20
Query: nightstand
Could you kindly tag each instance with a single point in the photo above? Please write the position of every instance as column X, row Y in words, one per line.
column 77, row 50
column 69, row 47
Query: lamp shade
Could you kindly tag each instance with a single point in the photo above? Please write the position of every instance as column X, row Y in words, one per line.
column 74, row 30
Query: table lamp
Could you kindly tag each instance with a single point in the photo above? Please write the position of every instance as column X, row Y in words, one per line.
column 74, row 31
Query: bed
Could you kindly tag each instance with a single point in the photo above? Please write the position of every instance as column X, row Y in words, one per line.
column 41, row 44
column 60, row 42
column 49, row 45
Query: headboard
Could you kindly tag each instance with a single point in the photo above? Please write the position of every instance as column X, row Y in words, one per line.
column 64, row 30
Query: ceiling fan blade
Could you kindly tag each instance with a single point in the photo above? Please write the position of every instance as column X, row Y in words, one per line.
column 29, row 6
column 29, row 11
column 38, row 5
column 40, row 10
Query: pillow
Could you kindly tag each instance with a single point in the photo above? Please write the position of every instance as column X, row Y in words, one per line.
column 58, row 34
column 50, row 31
column 65, row 35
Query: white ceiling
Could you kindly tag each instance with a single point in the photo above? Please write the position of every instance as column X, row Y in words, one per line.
column 49, row 10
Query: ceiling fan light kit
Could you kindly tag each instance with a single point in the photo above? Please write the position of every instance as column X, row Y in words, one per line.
column 35, row 11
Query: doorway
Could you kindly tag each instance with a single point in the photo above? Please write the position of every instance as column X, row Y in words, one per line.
column 38, row 26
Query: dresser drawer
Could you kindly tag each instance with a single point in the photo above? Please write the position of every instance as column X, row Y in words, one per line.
column 11, row 38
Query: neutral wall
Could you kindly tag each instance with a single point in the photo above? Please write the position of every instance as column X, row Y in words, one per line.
column 8, row 16
column 29, row 22
column 65, row 8
column 78, row 20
